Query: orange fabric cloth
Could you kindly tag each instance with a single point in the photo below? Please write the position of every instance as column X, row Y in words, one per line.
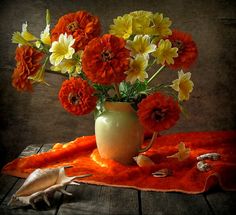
column 83, row 156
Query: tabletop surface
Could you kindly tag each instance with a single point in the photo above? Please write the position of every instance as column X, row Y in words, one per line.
column 94, row 199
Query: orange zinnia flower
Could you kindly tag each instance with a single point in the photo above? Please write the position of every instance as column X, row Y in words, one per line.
column 106, row 59
column 187, row 50
column 158, row 112
column 28, row 63
column 81, row 25
column 76, row 96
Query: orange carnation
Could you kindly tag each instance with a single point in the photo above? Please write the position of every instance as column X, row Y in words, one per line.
column 187, row 50
column 106, row 59
column 76, row 96
column 158, row 112
column 81, row 25
column 28, row 63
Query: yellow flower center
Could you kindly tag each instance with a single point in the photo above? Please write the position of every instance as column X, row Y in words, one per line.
column 73, row 26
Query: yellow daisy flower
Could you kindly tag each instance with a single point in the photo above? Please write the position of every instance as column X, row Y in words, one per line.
column 122, row 26
column 160, row 25
column 61, row 49
column 183, row 85
column 141, row 45
column 165, row 52
column 141, row 21
column 137, row 69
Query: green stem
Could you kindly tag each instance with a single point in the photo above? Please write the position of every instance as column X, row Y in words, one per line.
column 55, row 72
column 151, row 64
column 117, row 90
column 155, row 74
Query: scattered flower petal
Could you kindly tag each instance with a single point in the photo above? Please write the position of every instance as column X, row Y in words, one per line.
column 182, row 154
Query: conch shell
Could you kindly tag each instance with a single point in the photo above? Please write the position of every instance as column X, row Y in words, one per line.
column 40, row 183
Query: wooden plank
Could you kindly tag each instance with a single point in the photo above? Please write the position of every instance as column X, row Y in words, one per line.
column 42, row 207
column 6, row 181
column 173, row 203
column 30, row 150
column 93, row 199
column 222, row 202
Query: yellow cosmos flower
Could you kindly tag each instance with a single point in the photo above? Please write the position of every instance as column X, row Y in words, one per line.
column 141, row 21
column 70, row 66
column 27, row 35
column 122, row 26
column 137, row 69
column 141, row 45
column 165, row 52
column 183, row 85
column 160, row 26
column 61, row 49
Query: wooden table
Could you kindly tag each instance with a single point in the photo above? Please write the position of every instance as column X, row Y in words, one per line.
column 93, row 199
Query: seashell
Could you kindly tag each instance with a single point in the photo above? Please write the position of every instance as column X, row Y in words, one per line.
column 40, row 183
column 209, row 156
column 162, row 173
column 143, row 160
column 203, row 166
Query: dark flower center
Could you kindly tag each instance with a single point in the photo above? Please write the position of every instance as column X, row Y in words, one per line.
column 179, row 44
column 73, row 98
column 73, row 26
column 158, row 115
column 106, row 56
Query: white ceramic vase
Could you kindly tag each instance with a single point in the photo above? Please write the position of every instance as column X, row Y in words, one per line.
column 119, row 135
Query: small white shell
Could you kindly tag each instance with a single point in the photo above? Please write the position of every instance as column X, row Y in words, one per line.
column 162, row 173
column 209, row 156
column 203, row 166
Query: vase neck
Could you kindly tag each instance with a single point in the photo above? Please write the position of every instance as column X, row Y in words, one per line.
column 118, row 106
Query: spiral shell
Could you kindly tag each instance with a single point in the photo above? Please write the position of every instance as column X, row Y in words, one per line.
column 40, row 183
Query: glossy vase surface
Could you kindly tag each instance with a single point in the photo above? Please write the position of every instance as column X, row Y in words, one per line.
column 119, row 135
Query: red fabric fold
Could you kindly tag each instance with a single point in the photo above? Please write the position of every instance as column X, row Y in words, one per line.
column 83, row 156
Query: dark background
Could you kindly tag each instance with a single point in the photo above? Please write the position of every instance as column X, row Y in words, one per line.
column 38, row 118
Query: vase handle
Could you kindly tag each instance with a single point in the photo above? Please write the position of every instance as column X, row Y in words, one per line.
column 150, row 143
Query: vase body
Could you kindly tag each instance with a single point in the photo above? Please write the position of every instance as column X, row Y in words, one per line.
column 119, row 135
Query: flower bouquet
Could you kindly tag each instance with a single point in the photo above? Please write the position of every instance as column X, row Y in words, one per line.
column 112, row 68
